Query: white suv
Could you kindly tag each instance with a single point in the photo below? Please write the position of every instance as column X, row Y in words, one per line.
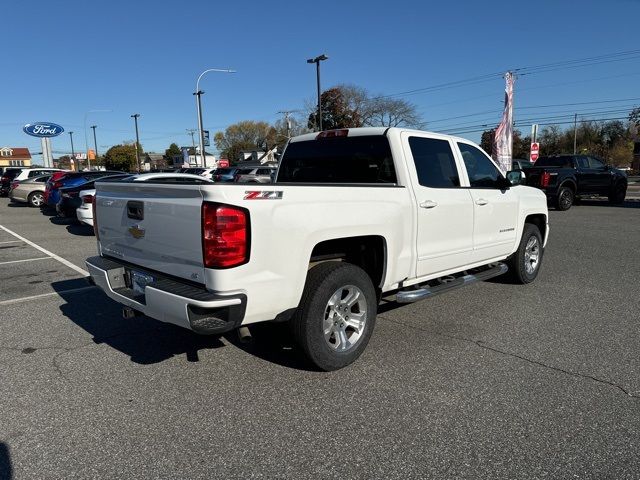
column 35, row 172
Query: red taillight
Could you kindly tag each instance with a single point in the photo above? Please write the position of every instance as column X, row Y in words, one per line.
column 544, row 179
column 225, row 235
column 333, row 133
column 14, row 184
column 56, row 184
column 87, row 199
column 95, row 220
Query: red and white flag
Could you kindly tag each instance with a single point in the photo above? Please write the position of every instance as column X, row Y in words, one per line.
column 503, row 138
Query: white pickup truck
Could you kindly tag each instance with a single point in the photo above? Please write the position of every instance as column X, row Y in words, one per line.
column 354, row 215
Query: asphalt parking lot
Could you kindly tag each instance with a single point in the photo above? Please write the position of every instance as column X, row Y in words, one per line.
column 492, row 381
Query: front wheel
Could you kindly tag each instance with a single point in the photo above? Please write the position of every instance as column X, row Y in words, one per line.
column 617, row 195
column 336, row 315
column 525, row 263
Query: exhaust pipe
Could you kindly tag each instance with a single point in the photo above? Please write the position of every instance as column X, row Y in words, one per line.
column 244, row 335
column 129, row 313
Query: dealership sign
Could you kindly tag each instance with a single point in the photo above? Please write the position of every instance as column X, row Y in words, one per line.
column 42, row 129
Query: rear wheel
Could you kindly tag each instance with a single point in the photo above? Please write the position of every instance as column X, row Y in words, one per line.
column 36, row 199
column 617, row 194
column 525, row 263
column 565, row 198
column 336, row 315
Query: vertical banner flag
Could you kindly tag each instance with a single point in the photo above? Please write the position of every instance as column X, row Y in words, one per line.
column 503, row 139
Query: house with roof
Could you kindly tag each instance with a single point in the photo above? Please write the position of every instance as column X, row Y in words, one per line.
column 15, row 157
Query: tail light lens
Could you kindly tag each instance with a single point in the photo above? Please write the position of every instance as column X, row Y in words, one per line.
column 225, row 235
column 14, row 184
column 344, row 132
column 88, row 199
column 544, row 179
column 56, row 184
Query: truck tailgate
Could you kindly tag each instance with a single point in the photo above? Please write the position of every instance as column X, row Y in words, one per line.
column 154, row 226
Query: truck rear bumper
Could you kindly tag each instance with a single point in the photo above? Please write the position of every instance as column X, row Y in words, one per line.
column 167, row 299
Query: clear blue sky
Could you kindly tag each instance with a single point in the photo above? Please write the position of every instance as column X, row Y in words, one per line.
column 64, row 58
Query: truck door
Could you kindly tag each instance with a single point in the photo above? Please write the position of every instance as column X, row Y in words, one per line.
column 601, row 176
column 495, row 222
column 445, row 211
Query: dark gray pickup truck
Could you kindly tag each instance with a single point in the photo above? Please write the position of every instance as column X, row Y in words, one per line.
column 565, row 177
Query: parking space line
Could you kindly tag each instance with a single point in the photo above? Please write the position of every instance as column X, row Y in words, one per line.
column 47, row 252
column 42, row 295
column 25, row 260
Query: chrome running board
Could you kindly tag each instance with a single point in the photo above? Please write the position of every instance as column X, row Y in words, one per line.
column 410, row 296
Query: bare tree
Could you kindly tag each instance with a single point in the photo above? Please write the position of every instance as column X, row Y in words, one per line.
column 392, row 112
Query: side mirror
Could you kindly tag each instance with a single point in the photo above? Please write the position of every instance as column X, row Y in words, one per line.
column 516, row 177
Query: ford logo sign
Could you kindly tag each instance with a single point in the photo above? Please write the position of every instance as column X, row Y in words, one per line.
column 42, row 129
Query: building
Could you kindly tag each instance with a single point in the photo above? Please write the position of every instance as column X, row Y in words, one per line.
column 256, row 157
column 15, row 157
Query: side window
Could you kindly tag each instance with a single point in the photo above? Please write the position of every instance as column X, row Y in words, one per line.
column 481, row 170
column 582, row 162
column 434, row 162
column 595, row 163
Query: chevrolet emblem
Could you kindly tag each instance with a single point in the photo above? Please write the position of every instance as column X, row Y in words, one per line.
column 136, row 231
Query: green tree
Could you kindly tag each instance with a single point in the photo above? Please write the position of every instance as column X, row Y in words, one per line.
column 172, row 151
column 486, row 141
column 245, row 135
column 121, row 157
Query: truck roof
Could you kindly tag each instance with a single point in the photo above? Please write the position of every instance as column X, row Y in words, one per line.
column 368, row 131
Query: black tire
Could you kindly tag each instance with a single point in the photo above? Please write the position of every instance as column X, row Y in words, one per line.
column 36, row 199
column 565, row 199
column 324, row 281
column 517, row 263
column 617, row 195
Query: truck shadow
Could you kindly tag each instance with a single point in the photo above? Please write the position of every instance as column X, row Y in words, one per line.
column 6, row 470
column 147, row 341
column 592, row 202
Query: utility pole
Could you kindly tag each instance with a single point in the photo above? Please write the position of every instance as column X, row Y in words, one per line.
column 95, row 143
column 192, row 132
column 287, row 122
column 73, row 153
column 135, row 119
column 575, row 132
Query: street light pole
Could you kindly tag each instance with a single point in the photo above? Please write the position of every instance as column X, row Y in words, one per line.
column 86, row 142
column 575, row 132
column 317, row 61
column 135, row 119
column 95, row 143
column 198, row 93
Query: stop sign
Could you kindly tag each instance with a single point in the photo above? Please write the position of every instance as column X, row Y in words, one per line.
column 535, row 151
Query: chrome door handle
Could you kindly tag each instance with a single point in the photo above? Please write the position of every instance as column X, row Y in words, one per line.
column 481, row 201
column 428, row 204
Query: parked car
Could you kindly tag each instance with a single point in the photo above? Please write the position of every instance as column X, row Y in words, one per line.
column 72, row 179
column 202, row 171
column 255, row 175
column 564, row 177
column 55, row 176
column 70, row 196
column 423, row 213
column 29, row 191
column 7, row 177
column 225, row 174
column 36, row 172
column 85, row 211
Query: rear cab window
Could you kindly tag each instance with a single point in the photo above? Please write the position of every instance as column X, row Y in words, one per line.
column 357, row 159
column 561, row 161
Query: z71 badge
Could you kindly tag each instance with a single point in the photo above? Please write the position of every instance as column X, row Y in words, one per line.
column 263, row 195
